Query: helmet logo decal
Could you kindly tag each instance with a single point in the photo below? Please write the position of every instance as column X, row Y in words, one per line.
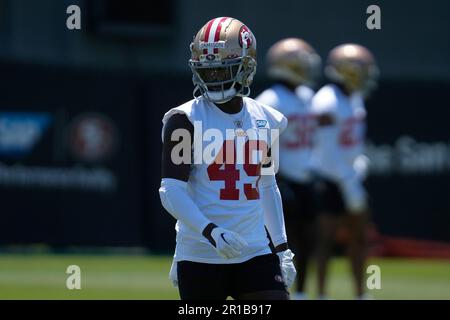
column 245, row 37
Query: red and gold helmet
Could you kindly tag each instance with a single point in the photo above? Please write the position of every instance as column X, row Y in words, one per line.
column 294, row 61
column 353, row 66
column 223, row 60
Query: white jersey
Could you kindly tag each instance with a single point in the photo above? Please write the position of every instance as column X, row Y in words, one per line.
column 227, row 194
column 296, row 141
column 337, row 161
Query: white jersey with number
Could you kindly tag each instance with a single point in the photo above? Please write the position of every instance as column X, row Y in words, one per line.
column 296, row 141
column 349, row 114
column 223, row 182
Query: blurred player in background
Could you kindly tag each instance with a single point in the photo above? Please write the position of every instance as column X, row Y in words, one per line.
column 293, row 66
column 338, row 156
column 223, row 207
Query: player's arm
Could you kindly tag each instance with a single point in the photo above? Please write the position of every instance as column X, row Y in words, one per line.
column 272, row 205
column 174, row 194
column 173, row 190
column 170, row 168
column 269, row 192
column 274, row 221
column 273, row 212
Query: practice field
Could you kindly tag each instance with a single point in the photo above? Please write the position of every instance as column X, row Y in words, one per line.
column 146, row 277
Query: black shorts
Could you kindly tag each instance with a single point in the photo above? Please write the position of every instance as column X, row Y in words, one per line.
column 299, row 200
column 204, row 281
column 329, row 197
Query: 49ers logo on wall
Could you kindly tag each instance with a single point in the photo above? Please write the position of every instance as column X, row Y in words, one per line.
column 92, row 137
column 245, row 37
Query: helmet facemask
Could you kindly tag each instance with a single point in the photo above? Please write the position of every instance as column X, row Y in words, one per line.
column 219, row 82
column 301, row 70
column 354, row 76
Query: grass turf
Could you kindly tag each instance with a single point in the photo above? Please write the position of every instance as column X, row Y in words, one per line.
column 146, row 277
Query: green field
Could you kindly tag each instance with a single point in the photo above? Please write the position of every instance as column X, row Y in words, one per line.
column 146, row 277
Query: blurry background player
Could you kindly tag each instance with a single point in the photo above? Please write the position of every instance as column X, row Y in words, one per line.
column 293, row 66
column 222, row 206
column 338, row 155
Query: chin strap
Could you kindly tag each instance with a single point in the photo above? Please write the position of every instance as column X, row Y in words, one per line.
column 220, row 96
column 245, row 92
column 196, row 90
column 216, row 96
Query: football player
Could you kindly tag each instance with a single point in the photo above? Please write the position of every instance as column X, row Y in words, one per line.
column 338, row 155
column 231, row 238
column 293, row 66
